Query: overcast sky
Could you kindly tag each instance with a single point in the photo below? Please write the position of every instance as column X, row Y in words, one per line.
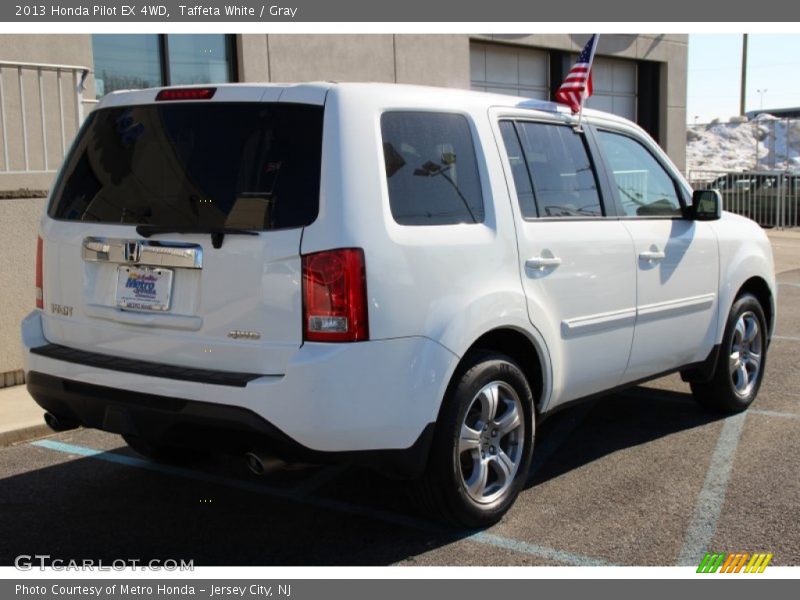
column 715, row 68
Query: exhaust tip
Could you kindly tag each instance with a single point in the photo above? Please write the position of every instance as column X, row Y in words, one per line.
column 56, row 424
column 261, row 464
column 254, row 463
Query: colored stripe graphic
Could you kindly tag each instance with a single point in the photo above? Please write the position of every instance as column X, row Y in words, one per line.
column 758, row 563
column 711, row 562
column 734, row 562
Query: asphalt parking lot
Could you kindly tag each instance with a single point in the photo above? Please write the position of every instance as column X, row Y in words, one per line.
column 642, row 477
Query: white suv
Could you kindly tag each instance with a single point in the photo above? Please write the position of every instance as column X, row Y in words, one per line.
column 404, row 277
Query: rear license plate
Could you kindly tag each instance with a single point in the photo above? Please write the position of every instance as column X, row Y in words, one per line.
column 144, row 288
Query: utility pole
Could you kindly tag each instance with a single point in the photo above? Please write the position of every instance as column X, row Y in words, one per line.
column 744, row 74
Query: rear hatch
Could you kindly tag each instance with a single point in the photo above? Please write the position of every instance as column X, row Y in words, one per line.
column 175, row 228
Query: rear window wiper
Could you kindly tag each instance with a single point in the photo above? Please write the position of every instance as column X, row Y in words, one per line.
column 217, row 233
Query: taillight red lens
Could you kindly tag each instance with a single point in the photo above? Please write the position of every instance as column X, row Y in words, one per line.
column 335, row 296
column 186, row 94
column 39, row 276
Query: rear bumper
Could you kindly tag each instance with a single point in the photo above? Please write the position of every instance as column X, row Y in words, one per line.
column 188, row 423
column 334, row 399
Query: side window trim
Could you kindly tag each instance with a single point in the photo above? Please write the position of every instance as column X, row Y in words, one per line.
column 609, row 198
column 679, row 193
column 515, row 128
column 609, row 209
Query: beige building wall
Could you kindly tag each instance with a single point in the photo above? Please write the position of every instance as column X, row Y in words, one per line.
column 19, row 223
column 19, row 217
column 441, row 60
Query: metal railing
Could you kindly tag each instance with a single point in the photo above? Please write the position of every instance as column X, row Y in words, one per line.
column 26, row 93
column 770, row 198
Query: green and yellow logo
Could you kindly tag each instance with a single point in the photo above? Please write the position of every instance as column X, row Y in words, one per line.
column 721, row 562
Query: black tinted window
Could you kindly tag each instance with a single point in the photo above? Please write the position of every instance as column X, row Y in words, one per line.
column 431, row 169
column 519, row 170
column 563, row 178
column 195, row 165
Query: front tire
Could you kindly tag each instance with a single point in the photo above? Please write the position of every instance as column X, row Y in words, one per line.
column 483, row 444
column 741, row 361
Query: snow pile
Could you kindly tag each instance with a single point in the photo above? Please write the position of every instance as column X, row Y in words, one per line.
column 763, row 144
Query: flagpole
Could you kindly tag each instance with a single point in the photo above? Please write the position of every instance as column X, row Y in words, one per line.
column 578, row 127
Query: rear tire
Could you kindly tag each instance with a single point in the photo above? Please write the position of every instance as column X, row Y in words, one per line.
column 482, row 447
column 741, row 361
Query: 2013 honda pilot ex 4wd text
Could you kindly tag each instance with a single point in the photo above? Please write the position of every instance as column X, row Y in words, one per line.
column 405, row 277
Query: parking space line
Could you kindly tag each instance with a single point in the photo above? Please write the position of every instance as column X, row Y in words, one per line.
column 774, row 413
column 712, row 495
column 526, row 548
column 789, row 338
column 335, row 505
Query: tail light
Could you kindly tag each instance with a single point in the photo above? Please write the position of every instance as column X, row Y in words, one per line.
column 335, row 296
column 39, row 277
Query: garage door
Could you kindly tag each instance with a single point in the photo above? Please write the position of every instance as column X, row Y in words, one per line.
column 614, row 84
column 507, row 70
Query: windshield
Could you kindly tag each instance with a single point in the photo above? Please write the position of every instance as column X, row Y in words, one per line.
column 195, row 166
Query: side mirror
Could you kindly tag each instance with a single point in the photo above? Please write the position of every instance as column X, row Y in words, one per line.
column 706, row 205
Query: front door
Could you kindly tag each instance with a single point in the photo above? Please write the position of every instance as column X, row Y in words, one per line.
column 677, row 261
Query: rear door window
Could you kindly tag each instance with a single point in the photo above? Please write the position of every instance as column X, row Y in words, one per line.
column 431, row 169
column 562, row 174
column 195, row 165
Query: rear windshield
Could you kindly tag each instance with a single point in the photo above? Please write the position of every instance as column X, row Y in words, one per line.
column 195, row 165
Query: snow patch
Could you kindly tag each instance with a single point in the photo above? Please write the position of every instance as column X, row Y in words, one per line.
column 764, row 144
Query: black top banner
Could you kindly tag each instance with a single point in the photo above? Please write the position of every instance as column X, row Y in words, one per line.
column 496, row 11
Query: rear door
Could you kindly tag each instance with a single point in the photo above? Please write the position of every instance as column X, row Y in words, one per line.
column 174, row 231
column 577, row 264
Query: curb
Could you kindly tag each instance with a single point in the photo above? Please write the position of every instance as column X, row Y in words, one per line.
column 24, row 434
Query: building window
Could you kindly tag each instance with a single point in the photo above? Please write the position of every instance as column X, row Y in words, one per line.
column 509, row 70
column 141, row 61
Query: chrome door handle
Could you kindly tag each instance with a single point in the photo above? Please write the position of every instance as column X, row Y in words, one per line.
column 542, row 262
column 652, row 255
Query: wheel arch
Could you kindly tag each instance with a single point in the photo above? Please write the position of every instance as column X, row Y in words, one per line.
column 759, row 288
column 524, row 349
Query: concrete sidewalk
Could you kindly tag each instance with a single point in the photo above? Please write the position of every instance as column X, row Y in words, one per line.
column 21, row 418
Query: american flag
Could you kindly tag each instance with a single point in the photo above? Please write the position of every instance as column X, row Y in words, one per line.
column 578, row 84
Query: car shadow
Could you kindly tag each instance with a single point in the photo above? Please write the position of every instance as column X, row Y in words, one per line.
column 616, row 422
column 117, row 506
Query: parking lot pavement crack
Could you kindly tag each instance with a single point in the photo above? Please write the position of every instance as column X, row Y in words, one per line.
column 711, row 498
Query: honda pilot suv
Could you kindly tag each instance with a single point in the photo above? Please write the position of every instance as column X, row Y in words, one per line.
column 402, row 277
